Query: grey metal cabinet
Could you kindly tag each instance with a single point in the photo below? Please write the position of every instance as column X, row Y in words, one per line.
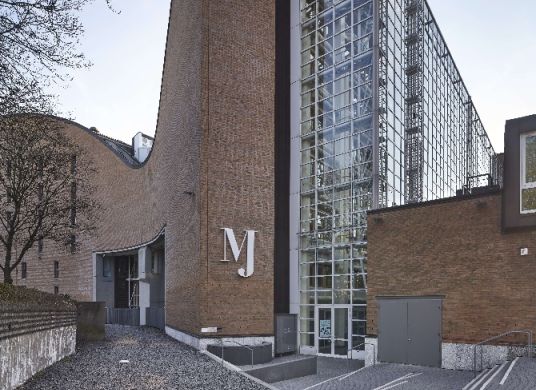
column 286, row 333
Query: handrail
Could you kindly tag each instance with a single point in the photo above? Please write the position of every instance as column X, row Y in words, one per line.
column 349, row 357
column 481, row 345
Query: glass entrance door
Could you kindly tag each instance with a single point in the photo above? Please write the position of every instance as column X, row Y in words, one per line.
column 333, row 330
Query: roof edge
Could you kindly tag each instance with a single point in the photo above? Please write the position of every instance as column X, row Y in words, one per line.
column 494, row 191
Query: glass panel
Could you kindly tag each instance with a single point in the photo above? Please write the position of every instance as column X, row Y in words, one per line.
column 341, row 9
column 359, row 312
column 342, row 282
column 358, row 343
column 341, row 347
column 323, row 269
column 341, row 323
column 324, row 282
column 359, row 297
column 324, row 297
column 528, row 199
column 308, row 297
column 324, row 346
column 359, row 328
column 307, row 269
column 342, row 297
column 307, row 326
column 307, row 311
column 307, row 339
column 530, row 159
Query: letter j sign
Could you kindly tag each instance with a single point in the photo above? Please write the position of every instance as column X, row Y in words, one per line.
column 228, row 235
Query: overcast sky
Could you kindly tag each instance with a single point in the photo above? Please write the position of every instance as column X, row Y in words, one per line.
column 119, row 94
column 493, row 43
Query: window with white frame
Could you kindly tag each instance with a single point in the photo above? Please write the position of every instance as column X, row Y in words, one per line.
column 528, row 173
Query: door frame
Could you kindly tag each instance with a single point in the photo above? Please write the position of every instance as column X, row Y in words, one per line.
column 332, row 307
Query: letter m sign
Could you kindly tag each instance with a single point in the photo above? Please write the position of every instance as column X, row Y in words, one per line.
column 229, row 236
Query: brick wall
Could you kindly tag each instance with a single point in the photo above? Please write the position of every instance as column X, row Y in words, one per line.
column 212, row 166
column 237, row 188
column 454, row 248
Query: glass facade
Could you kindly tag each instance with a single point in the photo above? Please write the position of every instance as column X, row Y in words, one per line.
column 336, row 158
column 385, row 120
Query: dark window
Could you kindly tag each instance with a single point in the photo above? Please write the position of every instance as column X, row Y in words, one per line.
column 73, row 203
column 56, row 290
column 73, row 191
column 107, row 267
column 155, row 263
column 56, row 269
column 40, row 245
column 73, row 164
column 72, row 243
column 23, row 270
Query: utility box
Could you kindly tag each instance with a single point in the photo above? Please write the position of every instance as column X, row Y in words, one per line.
column 286, row 333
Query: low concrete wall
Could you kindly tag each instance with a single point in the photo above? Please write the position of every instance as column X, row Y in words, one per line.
column 202, row 343
column 31, row 339
column 461, row 356
column 285, row 370
column 90, row 320
column 21, row 357
column 371, row 351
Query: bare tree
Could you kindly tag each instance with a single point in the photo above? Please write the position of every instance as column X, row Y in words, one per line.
column 39, row 41
column 46, row 190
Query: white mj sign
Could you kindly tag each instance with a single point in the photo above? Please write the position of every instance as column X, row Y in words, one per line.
column 228, row 235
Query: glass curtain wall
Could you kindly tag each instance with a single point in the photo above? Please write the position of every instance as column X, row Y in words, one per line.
column 336, row 158
column 430, row 140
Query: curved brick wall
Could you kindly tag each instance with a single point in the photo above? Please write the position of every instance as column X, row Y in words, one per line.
column 211, row 167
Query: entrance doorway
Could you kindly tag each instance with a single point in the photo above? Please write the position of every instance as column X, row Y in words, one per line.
column 409, row 330
column 126, row 282
column 332, row 330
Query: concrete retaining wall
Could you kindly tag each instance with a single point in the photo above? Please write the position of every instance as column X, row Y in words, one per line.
column 33, row 339
column 90, row 320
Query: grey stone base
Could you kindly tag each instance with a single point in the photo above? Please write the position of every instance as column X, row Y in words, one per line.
column 202, row 343
column 461, row 356
column 371, row 351
column 242, row 355
column 289, row 369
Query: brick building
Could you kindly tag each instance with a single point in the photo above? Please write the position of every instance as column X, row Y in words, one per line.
column 460, row 267
column 280, row 123
column 159, row 239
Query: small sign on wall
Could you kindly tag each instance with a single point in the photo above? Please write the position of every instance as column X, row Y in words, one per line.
column 325, row 329
column 524, row 251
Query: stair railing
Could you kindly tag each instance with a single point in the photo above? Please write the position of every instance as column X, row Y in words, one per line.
column 481, row 345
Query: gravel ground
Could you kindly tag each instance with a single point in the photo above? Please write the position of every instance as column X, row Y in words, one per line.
column 156, row 361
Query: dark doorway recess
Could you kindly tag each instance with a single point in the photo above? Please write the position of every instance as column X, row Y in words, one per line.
column 282, row 157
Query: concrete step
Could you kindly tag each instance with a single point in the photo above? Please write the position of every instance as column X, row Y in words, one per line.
column 284, row 368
